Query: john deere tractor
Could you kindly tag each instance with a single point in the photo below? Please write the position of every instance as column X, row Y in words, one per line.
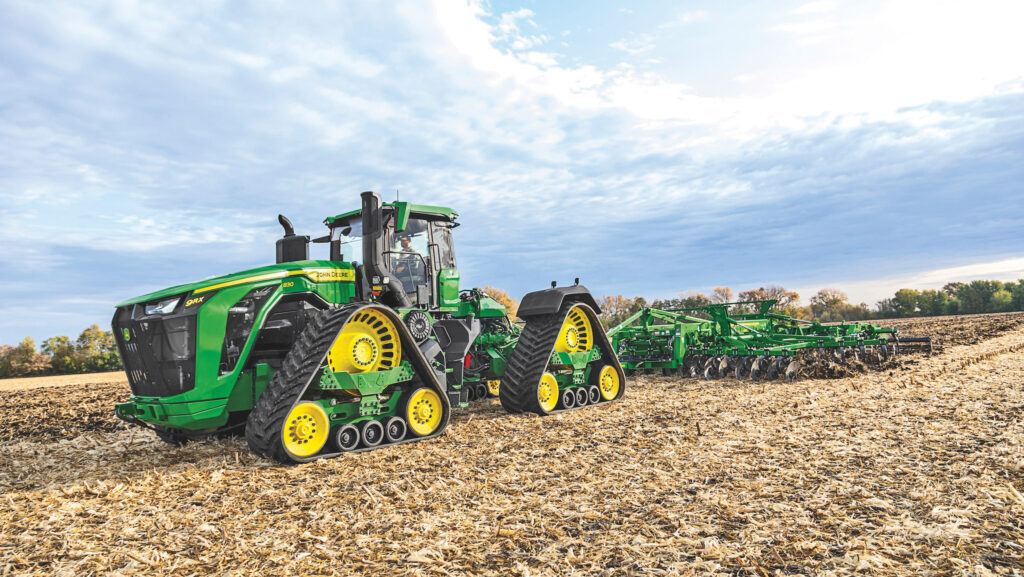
column 375, row 346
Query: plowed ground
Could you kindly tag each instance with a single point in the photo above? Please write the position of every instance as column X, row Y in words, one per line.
column 914, row 470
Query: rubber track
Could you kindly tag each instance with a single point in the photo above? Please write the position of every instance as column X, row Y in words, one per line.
column 518, row 392
column 301, row 366
column 263, row 428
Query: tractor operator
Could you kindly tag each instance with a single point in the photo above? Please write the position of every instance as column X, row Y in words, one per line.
column 408, row 267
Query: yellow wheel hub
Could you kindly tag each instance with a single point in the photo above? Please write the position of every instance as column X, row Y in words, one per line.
column 547, row 392
column 424, row 411
column 305, row 429
column 494, row 386
column 608, row 382
column 368, row 342
column 576, row 334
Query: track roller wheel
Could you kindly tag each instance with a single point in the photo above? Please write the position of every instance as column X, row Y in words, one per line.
column 493, row 387
column 305, row 430
column 372, row 433
column 423, row 411
column 582, row 397
column 568, row 399
column 395, row 429
column 346, row 438
column 594, row 392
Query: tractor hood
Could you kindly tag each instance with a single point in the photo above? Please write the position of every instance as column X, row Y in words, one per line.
column 316, row 270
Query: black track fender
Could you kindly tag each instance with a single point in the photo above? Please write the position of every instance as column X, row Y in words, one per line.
column 549, row 301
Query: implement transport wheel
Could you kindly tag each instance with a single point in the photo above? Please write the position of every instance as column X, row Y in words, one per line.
column 423, row 411
column 481, row 390
column 305, row 430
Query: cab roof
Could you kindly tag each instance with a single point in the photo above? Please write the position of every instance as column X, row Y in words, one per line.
column 403, row 211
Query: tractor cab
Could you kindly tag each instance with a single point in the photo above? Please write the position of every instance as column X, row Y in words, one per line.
column 406, row 251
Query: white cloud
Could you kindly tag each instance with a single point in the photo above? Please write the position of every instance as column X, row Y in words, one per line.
column 819, row 7
column 635, row 45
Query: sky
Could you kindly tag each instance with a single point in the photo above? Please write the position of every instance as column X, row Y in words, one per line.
column 648, row 148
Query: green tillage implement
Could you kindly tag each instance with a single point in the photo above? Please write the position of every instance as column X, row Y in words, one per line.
column 758, row 344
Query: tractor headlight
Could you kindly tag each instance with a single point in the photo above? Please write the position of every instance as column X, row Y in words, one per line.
column 164, row 307
column 241, row 318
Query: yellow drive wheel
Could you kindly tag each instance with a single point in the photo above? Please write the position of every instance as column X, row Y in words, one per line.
column 547, row 392
column 494, row 387
column 608, row 382
column 368, row 342
column 576, row 334
column 423, row 411
column 305, row 429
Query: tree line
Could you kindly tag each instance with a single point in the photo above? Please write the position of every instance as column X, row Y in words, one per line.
column 830, row 304
column 93, row 351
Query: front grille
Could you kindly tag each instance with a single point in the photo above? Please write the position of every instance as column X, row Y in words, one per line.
column 158, row 350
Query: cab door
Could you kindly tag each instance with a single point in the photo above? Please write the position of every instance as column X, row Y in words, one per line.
column 447, row 273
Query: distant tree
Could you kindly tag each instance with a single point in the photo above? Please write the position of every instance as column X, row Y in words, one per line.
column 23, row 360
column 1001, row 301
column 98, row 350
column 64, row 357
column 951, row 288
column 721, row 294
column 504, row 299
column 788, row 301
column 905, row 302
column 1017, row 291
column 976, row 296
column 615, row 309
column 684, row 301
column 933, row 303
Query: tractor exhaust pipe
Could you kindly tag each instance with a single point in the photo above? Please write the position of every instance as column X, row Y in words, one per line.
column 291, row 247
column 373, row 253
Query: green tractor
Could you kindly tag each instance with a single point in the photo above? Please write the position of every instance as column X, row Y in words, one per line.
column 313, row 358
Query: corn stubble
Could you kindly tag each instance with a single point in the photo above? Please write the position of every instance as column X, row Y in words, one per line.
column 917, row 469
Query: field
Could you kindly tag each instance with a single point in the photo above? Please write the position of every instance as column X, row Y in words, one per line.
column 917, row 470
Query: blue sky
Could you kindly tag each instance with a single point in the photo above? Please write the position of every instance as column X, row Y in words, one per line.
column 648, row 148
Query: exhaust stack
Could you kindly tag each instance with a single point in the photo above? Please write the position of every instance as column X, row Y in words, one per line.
column 291, row 247
column 374, row 269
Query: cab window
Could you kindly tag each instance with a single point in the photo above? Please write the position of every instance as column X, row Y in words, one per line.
column 443, row 239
